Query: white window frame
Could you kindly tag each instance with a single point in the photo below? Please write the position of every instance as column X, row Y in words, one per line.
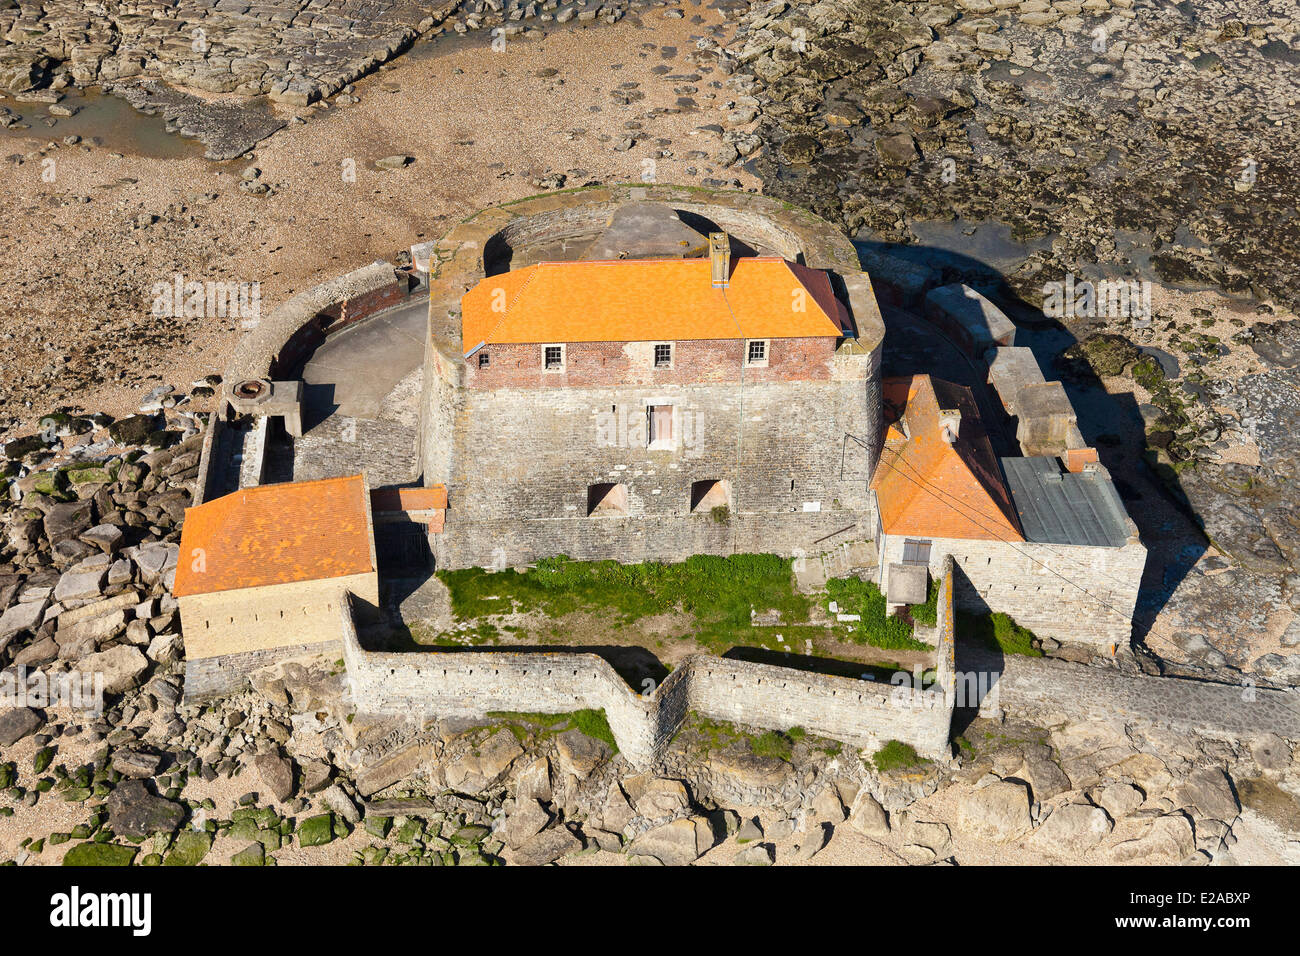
column 654, row 358
column 767, row 352
column 563, row 357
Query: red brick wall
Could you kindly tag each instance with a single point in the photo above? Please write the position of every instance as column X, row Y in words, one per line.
column 599, row 364
column 365, row 305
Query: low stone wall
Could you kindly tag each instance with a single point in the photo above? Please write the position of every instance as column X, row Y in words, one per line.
column 207, row 678
column 472, row 684
column 478, row 244
column 294, row 329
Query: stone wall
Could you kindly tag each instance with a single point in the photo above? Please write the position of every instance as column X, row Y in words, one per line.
column 796, row 457
column 473, row 684
column 207, row 678
column 275, row 616
column 448, row 683
column 1070, row 593
column 295, row 328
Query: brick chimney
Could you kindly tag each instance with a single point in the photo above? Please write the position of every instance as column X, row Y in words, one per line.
column 949, row 424
column 720, row 258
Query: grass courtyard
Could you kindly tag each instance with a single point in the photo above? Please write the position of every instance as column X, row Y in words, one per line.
column 646, row 617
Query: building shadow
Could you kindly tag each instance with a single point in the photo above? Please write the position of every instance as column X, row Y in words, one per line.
column 1111, row 423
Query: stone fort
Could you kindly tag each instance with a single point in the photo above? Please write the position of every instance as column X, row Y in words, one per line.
column 646, row 373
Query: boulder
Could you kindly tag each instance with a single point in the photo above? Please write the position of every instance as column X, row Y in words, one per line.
column 656, row 797
column 578, row 754
column 137, row 764
column 17, row 723
column 155, row 560
column 997, row 812
column 1073, row 828
column 546, row 847
column 315, row 776
column 676, row 843
column 122, row 667
column 759, row 854
column 745, row 773
column 476, row 770
column 1208, row 793
column 1169, row 839
column 79, row 585
column 811, row 842
column 617, row 813
column 528, row 819
column 335, row 799
column 532, row 780
column 897, row 150
column 21, row 617
column 132, row 430
column 828, row 807
column 135, row 812
column 91, row 631
column 106, row 537
column 274, row 775
column 1045, row 777
column 1119, row 799
column 68, row 520
column 869, row 817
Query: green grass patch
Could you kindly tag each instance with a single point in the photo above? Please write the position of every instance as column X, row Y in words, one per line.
column 927, row 613
column 896, row 755
column 522, row 724
column 855, row 596
column 997, row 631
column 772, row 744
column 719, row 592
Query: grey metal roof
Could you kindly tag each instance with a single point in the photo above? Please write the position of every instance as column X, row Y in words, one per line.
column 1059, row 507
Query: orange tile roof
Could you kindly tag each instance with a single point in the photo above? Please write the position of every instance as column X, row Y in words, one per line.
column 276, row 534
column 641, row 300
column 929, row 487
column 409, row 499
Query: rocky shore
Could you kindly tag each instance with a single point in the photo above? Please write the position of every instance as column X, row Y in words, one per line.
column 1113, row 137
column 284, row 772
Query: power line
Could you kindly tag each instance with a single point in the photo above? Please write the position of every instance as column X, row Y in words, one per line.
column 985, row 514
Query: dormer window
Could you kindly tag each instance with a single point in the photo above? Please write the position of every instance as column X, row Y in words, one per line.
column 664, row 355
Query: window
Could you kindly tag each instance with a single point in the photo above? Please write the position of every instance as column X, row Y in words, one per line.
column 756, row 352
column 483, row 360
column 606, row 499
column 916, row 552
column 659, row 425
column 553, row 358
column 663, row 355
column 709, row 494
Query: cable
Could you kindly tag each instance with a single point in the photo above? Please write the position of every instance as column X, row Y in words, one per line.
column 1012, row 545
column 1043, row 544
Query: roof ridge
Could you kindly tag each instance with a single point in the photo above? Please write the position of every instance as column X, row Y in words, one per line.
column 275, row 485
